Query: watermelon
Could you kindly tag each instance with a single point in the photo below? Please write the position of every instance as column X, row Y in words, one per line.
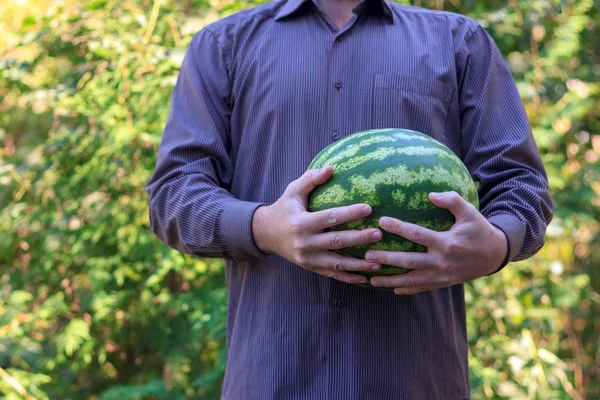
column 392, row 170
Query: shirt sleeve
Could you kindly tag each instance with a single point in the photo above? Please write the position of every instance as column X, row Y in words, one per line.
column 191, row 208
column 499, row 149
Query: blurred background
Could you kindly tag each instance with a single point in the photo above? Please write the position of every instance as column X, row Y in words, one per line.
column 92, row 306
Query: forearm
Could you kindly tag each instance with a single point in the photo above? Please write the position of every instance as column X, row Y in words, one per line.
column 521, row 207
column 514, row 192
column 191, row 208
column 499, row 150
column 191, row 215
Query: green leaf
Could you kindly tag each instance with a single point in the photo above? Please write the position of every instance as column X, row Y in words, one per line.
column 73, row 336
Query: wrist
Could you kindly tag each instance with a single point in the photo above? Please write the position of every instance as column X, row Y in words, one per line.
column 260, row 229
column 500, row 249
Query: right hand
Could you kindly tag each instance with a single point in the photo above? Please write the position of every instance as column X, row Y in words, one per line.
column 286, row 228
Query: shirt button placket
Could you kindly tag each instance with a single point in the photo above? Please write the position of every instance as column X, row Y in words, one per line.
column 336, row 86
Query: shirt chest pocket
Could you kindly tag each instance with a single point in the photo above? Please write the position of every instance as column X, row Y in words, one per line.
column 408, row 102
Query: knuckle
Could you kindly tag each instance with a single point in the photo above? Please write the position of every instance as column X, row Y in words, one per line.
column 337, row 241
column 297, row 225
column 300, row 245
column 408, row 263
column 452, row 246
column 331, row 217
column 302, row 260
column 384, row 257
column 337, row 265
column 411, row 283
column 416, row 233
column 307, row 177
column 447, row 265
column 292, row 186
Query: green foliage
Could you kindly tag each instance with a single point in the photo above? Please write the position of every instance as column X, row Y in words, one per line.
column 93, row 306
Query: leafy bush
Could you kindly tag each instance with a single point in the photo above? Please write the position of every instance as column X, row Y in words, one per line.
column 93, row 306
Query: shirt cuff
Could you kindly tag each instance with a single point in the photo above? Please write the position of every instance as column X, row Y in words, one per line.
column 236, row 230
column 515, row 235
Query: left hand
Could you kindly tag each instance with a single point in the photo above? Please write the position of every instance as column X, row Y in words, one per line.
column 472, row 248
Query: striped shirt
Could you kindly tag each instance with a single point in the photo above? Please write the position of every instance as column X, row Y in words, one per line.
column 259, row 94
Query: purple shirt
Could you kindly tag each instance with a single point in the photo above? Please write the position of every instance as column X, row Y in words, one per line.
column 259, row 94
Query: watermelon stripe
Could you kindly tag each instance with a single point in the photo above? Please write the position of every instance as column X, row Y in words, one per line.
column 399, row 196
column 402, row 176
column 375, row 136
column 389, row 245
column 385, row 152
column 419, row 201
column 322, row 159
column 334, row 194
column 351, row 150
column 358, row 224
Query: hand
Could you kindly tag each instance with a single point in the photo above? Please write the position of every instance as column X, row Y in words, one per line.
column 470, row 249
column 286, row 228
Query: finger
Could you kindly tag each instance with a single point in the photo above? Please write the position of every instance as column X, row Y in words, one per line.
column 402, row 259
column 410, row 292
column 335, row 262
column 412, row 232
column 341, row 275
column 309, row 181
column 453, row 202
column 410, row 280
column 340, row 239
column 339, row 215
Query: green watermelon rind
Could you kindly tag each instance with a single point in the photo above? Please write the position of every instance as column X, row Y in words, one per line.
column 366, row 162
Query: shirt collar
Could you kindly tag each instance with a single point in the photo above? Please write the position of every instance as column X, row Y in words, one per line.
column 291, row 6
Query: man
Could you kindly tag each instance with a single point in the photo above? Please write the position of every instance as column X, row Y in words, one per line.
column 259, row 94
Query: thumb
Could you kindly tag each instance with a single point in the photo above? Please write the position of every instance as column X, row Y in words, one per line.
column 310, row 180
column 452, row 202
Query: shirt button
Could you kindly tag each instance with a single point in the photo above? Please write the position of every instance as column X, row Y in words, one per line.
column 338, row 84
column 340, row 303
column 335, row 135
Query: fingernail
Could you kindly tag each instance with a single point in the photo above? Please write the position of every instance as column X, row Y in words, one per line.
column 374, row 282
column 366, row 209
column 436, row 195
column 375, row 267
column 370, row 256
column 384, row 222
column 376, row 235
